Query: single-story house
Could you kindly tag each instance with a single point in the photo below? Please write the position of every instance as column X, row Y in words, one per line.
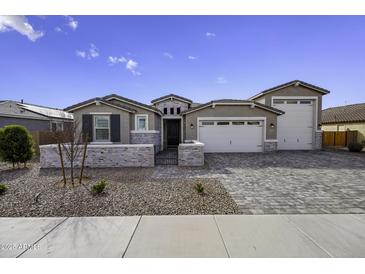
column 285, row 117
column 343, row 118
column 33, row 117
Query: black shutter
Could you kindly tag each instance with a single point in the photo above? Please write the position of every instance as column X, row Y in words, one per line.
column 87, row 126
column 115, row 128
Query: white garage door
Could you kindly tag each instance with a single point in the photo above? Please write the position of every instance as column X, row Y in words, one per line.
column 295, row 127
column 231, row 136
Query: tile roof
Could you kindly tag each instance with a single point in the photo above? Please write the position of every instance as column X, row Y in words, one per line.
column 343, row 114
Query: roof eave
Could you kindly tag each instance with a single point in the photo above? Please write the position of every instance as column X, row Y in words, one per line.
column 323, row 91
column 125, row 100
column 70, row 109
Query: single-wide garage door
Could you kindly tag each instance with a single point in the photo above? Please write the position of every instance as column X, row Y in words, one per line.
column 295, row 127
column 231, row 136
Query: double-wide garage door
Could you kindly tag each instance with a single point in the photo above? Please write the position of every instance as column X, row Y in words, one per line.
column 231, row 136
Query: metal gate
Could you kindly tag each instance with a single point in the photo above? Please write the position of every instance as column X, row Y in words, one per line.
column 167, row 157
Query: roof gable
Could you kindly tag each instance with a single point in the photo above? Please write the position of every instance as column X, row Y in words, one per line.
column 131, row 102
column 231, row 102
column 291, row 83
column 97, row 100
column 171, row 96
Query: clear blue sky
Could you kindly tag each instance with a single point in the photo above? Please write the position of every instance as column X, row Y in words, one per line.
column 62, row 60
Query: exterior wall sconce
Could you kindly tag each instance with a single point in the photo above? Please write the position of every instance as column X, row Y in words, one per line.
column 191, row 125
column 272, row 125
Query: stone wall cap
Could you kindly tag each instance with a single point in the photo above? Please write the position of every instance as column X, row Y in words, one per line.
column 91, row 145
column 192, row 143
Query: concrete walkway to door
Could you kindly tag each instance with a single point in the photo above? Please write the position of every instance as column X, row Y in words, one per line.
column 185, row 236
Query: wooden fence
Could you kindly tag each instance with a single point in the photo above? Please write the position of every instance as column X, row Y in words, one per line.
column 43, row 138
column 339, row 138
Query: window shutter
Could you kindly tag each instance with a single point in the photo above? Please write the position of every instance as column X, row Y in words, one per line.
column 87, row 126
column 115, row 128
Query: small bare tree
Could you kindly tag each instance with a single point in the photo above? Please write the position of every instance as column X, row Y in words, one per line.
column 70, row 142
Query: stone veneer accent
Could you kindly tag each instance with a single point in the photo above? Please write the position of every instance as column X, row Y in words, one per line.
column 147, row 137
column 318, row 140
column 191, row 154
column 270, row 146
column 103, row 155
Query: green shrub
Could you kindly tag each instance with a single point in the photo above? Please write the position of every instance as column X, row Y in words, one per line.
column 15, row 144
column 199, row 188
column 355, row 147
column 3, row 188
column 99, row 187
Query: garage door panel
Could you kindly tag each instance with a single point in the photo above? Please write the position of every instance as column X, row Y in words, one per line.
column 231, row 138
column 295, row 127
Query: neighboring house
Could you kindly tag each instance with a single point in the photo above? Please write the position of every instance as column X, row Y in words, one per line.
column 33, row 117
column 286, row 117
column 343, row 118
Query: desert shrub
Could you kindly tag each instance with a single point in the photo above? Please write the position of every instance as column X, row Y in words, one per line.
column 3, row 188
column 355, row 147
column 199, row 188
column 15, row 144
column 98, row 187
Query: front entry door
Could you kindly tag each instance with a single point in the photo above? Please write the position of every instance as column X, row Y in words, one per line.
column 173, row 132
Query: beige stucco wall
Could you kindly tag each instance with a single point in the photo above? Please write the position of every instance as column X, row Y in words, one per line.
column 153, row 121
column 360, row 127
column 295, row 91
column 124, row 118
column 228, row 111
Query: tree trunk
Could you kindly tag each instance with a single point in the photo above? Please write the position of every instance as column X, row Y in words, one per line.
column 72, row 163
column 83, row 160
column 62, row 166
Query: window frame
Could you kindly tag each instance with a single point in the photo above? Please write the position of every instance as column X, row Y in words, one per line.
column 165, row 110
column 172, row 111
column 95, row 127
column 58, row 124
column 136, row 120
column 178, row 110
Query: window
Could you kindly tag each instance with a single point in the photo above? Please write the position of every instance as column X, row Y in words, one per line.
column 141, row 122
column 238, row 123
column 222, row 123
column 178, row 110
column 56, row 126
column 306, row 102
column 257, row 123
column 207, row 123
column 172, row 111
column 277, row 101
column 102, row 127
column 292, row 102
column 164, row 110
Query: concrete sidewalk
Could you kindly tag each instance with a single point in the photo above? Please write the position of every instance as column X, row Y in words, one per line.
column 185, row 236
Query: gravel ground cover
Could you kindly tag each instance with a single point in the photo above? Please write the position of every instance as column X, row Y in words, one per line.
column 130, row 191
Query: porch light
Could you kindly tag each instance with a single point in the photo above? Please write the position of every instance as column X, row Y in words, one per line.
column 191, row 125
column 272, row 125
